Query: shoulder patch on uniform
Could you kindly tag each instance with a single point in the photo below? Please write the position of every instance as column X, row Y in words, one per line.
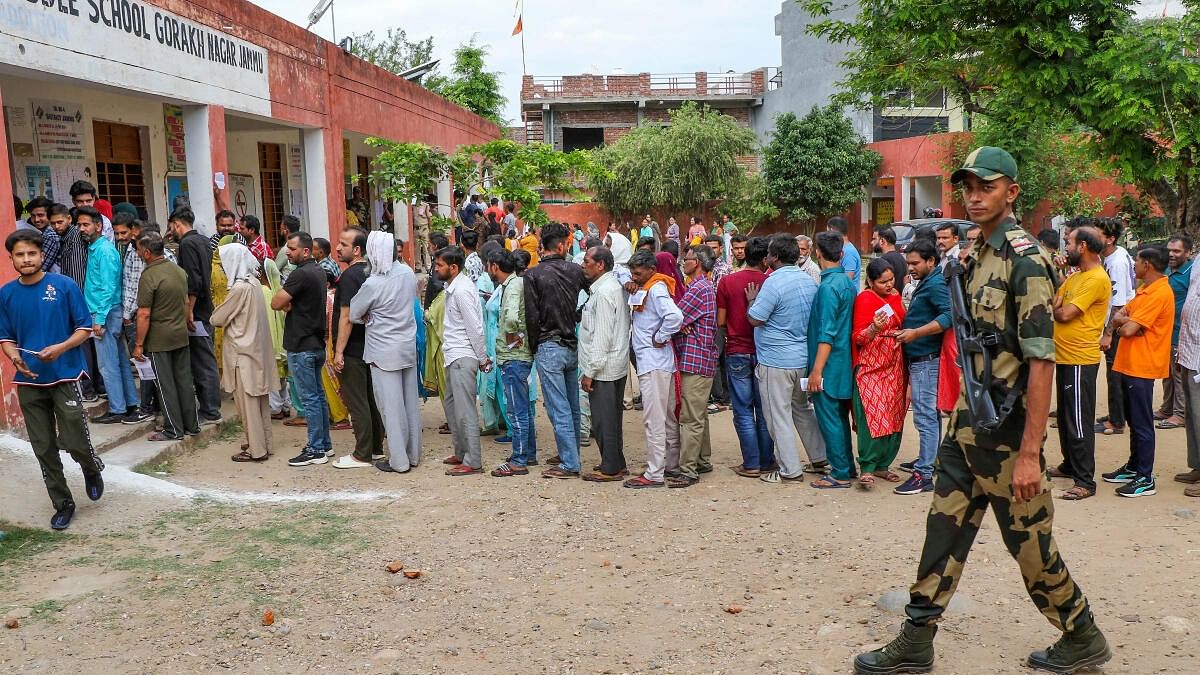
column 1021, row 242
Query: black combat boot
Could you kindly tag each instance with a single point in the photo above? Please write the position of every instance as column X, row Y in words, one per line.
column 910, row 652
column 1082, row 648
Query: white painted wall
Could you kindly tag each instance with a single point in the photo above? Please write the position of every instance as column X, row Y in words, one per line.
column 99, row 104
column 928, row 192
column 243, row 159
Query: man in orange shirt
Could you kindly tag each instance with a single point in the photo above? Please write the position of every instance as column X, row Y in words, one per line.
column 1143, row 356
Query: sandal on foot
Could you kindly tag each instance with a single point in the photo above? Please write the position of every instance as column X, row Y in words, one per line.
column 601, row 477
column 1077, row 493
column 742, row 471
column 505, row 470
column 160, row 436
column 1057, row 472
column 559, row 472
column 463, row 470
column 444, row 429
column 296, row 422
column 776, row 477
column 830, row 483
column 865, row 482
column 452, row 460
column 642, row 482
column 818, row 468
column 681, row 482
column 599, row 469
column 888, row 476
column 244, row 456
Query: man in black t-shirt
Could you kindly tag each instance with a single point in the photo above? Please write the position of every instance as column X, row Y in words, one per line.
column 195, row 257
column 303, row 297
column 883, row 244
column 348, row 342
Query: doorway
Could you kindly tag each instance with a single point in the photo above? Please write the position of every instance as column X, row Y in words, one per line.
column 270, row 171
column 120, row 176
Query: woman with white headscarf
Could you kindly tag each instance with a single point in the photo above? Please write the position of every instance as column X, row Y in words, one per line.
column 385, row 304
column 247, row 351
column 621, row 252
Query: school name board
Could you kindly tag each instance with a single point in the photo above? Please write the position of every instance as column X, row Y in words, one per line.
column 143, row 45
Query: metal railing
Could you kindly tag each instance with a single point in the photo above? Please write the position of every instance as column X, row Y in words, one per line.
column 644, row 84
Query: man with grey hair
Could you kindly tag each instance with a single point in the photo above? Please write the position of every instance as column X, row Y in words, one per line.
column 806, row 263
column 695, row 343
column 604, row 361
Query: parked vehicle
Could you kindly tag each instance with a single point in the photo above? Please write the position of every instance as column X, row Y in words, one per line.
column 906, row 230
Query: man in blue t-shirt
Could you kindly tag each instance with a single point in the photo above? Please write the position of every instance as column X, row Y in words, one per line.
column 43, row 321
column 851, row 260
column 779, row 312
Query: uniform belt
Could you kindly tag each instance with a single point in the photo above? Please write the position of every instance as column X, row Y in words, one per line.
column 927, row 357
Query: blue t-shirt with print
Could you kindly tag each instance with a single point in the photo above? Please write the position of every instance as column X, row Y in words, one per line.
column 784, row 303
column 35, row 316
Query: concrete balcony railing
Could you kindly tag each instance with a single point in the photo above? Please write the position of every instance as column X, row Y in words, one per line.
column 644, row 85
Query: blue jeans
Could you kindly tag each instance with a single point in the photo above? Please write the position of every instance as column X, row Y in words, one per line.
column 306, row 376
column 514, row 377
column 112, row 355
column 758, row 450
column 923, row 378
column 557, row 368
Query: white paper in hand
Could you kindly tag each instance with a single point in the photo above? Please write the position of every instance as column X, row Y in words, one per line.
column 637, row 299
column 144, row 370
column 886, row 310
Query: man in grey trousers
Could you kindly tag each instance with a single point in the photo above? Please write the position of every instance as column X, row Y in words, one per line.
column 780, row 309
column 465, row 355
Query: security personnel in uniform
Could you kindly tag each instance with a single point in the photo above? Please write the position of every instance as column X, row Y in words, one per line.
column 1010, row 289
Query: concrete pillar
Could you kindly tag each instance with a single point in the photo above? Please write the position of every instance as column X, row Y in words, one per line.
column 10, row 410
column 323, row 181
column 204, row 143
column 445, row 199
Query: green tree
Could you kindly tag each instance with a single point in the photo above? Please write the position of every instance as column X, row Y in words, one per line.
column 748, row 202
column 470, row 84
column 392, row 52
column 817, row 165
column 1132, row 87
column 504, row 169
column 679, row 165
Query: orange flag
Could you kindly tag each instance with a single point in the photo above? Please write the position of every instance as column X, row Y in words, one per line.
column 519, row 27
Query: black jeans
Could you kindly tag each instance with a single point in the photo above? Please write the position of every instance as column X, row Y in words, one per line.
column 1116, row 409
column 204, row 374
column 1139, row 412
column 1077, row 421
column 607, row 399
column 365, row 420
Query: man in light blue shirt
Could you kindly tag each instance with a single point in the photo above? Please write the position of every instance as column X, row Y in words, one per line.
column 102, row 293
column 851, row 259
column 779, row 312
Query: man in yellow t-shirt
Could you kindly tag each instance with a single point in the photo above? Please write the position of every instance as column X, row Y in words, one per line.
column 1143, row 356
column 1080, row 308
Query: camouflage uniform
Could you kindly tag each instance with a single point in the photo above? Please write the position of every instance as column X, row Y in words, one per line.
column 1010, row 286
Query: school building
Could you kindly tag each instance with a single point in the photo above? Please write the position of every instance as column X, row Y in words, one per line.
column 217, row 99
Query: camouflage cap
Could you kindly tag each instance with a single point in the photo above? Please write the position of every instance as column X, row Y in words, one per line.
column 987, row 162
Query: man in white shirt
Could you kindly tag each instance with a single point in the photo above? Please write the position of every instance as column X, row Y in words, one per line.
column 656, row 319
column 465, row 355
column 805, row 262
column 604, row 361
column 1119, row 265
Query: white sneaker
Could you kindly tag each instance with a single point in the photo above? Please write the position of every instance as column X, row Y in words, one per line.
column 348, row 462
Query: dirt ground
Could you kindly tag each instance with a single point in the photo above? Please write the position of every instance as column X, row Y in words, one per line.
column 528, row 575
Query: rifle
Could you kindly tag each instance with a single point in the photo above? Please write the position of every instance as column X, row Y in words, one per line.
column 976, row 386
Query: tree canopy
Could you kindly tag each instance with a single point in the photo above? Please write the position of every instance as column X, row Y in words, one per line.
column 470, row 84
column 816, row 165
column 504, row 169
column 393, row 51
column 679, row 165
column 1130, row 87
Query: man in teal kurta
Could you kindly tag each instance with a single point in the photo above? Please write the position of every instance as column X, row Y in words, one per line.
column 830, row 380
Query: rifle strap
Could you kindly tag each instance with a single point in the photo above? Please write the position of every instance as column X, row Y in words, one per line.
column 1013, row 395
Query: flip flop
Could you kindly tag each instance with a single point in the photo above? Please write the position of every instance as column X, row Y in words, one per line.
column 295, row 422
column 1167, row 424
column 244, row 456
column 1077, row 493
column 830, row 483
column 887, row 475
column 865, row 482
column 160, row 436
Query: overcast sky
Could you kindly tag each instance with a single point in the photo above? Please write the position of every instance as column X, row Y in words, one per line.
column 567, row 38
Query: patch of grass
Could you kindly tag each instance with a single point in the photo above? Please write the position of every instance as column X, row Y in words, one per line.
column 45, row 610
column 22, row 543
column 164, row 465
column 227, row 432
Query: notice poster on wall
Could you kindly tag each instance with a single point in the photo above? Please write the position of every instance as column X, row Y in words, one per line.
column 241, row 189
column 17, row 117
column 63, row 174
column 58, row 129
column 173, row 123
column 176, row 186
column 37, row 182
column 296, row 203
column 295, row 165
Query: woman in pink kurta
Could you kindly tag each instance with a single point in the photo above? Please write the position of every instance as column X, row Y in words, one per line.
column 879, row 374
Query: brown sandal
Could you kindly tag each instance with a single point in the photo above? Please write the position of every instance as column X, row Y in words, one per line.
column 1076, row 493
column 865, row 482
column 887, row 475
column 244, row 456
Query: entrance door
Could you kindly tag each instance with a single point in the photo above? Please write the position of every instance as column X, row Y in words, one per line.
column 119, row 173
column 270, row 169
column 364, row 211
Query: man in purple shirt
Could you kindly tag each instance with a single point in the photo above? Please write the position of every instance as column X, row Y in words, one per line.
column 696, row 351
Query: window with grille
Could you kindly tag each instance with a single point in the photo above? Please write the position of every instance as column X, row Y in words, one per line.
column 270, row 168
column 120, row 176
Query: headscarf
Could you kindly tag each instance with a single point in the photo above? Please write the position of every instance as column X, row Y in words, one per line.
column 381, row 252
column 274, row 278
column 592, row 230
column 620, row 247
column 238, row 263
column 665, row 264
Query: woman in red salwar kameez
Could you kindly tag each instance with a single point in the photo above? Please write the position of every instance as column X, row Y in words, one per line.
column 879, row 374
